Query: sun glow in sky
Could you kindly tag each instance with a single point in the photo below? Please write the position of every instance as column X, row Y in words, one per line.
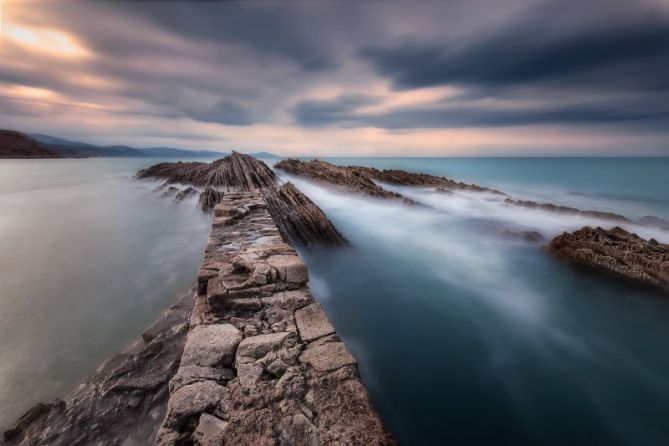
column 342, row 78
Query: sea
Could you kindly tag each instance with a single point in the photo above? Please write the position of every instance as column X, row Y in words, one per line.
column 464, row 332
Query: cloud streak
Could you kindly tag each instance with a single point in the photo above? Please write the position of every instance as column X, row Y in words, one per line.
column 383, row 78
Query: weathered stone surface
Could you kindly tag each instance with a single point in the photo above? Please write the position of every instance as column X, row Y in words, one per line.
column 210, row 430
column 190, row 374
column 256, row 347
column 617, row 252
column 194, row 399
column 328, row 356
column 290, row 268
column 211, row 345
column 312, row 322
column 284, row 388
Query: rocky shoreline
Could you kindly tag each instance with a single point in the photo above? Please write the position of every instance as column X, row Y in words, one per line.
column 249, row 357
column 123, row 402
column 616, row 252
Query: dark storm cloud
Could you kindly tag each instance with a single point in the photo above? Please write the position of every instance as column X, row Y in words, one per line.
column 223, row 112
column 340, row 110
column 455, row 114
column 603, row 52
column 289, row 31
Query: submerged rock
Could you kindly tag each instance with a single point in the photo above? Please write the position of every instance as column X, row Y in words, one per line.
column 618, row 252
column 566, row 210
column 185, row 193
column 651, row 220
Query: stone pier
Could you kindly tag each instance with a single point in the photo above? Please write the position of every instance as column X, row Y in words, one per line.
column 262, row 364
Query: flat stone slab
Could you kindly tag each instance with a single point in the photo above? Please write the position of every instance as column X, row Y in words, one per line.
column 290, row 268
column 312, row 322
column 327, row 357
column 211, row 345
column 256, row 347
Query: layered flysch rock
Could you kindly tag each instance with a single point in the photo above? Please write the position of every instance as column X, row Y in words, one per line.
column 618, row 252
column 299, row 219
column 566, row 210
column 262, row 364
column 123, row 402
column 364, row 180
column 234, row 172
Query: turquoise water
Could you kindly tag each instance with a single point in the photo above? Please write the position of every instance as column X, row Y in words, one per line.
column 464, row 335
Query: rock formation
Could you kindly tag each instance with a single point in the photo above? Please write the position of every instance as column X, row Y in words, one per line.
column 234, row 172
column 566, row 210
column 656, row 222
column 123, row 402
column 300, row 220
column 349, row 179
column 185, row 193
column 209, row 198
column 618, row 252
column 363, row 180
column 19, row 145
column 262, row 364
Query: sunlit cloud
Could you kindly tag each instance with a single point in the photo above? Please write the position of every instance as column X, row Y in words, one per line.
column 51, row 41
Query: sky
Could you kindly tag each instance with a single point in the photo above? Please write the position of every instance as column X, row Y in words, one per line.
column 371, row 78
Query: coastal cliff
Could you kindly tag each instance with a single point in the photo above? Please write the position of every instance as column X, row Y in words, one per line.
column 19, row 145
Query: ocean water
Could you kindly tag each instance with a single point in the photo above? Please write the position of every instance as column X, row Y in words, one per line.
column 88, row 259
column 464, row 335
column 467, row 336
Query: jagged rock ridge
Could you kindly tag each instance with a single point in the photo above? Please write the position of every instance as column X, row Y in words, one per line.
column 362, row 180
column 617, row 252
column 299, row 219
column 237, row 172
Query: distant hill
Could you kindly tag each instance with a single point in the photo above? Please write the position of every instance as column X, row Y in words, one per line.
column 19, row 145
column 74, row 149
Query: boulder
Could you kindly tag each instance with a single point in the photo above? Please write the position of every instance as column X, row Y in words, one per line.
column 211, row 345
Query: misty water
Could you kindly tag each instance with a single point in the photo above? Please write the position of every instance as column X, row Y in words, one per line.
column 88, row 259
column 464, row 334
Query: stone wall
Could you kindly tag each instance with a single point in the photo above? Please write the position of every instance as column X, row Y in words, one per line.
column 262, row 364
